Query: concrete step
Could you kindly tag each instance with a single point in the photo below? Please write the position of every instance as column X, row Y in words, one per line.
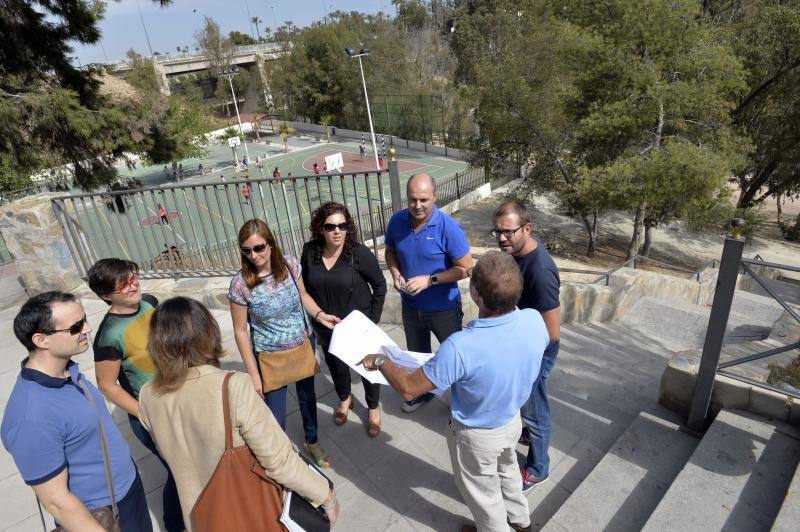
column 788, row 518
column 602, row 381
column 787, row 289
column 623, row 489
column 736, row 478
column 684, row 325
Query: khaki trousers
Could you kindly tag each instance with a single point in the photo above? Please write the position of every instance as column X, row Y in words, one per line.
column 487, row 474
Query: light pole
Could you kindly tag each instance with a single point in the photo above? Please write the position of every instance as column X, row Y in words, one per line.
column 274, row 20
column 364, row 52
column 146, row 36
column 228, row 74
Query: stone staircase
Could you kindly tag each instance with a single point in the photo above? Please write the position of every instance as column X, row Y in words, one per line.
column 651, row 474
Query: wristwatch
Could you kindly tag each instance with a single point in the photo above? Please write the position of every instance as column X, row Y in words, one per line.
column 378, row 362
column 434, row 279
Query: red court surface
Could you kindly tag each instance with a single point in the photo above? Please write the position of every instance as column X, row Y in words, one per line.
column 153, row 219
column 354, row 163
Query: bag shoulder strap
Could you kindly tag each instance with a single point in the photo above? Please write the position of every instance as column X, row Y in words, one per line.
column 302, row 310
column 104, row 445
column 226, row 412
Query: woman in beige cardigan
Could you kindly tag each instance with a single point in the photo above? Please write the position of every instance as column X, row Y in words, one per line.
column 182, row 409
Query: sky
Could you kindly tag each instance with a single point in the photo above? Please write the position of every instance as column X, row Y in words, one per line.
column 176, row 24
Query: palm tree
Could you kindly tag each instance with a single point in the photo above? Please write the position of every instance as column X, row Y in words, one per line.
column 284, row 131
column 257, row 21
column 325, row 121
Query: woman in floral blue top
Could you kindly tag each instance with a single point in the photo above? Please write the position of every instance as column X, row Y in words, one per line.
column 268, row 292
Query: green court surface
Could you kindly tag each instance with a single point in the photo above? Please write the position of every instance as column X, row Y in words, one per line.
column 204, row 213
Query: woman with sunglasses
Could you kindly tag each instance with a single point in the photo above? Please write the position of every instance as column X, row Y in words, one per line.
column 269, row 295
column 343, row 275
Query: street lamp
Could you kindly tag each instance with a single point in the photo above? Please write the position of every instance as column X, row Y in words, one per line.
column 364, row 52
column 228, row 74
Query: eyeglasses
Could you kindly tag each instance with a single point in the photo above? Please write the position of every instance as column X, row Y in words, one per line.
column 258, row 249
column 508, row 233
column 73, row 329
column 127, row 285
column 332, row 227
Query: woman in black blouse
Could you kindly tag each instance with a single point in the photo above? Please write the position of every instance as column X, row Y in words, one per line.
column 343, row 275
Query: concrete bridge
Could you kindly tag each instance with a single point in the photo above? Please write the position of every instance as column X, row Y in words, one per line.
column 173, row 65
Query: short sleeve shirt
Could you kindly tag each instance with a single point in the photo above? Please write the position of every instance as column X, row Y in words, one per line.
column 541, row 283
column 490, row 367
column 277, row 320
column 430, row 250
column 123, row 337
column 49, row 424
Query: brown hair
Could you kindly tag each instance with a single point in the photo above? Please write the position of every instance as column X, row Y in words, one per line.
column 318, row 218
column 106, row 275
column 513, row 207
column 278, row 265
column 498, row 281
column 183, row 335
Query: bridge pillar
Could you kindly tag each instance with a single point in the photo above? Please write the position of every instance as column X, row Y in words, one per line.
column 260, row 61
column 163, row 82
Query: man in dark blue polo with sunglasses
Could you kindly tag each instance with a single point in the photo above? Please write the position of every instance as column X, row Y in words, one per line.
column 53, row 430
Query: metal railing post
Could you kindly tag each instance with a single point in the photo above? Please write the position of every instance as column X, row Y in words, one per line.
column 715, row 334
column 394, row 182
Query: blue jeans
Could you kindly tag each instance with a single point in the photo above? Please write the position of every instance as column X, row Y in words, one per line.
column 418, row 326
column 536, row 418
column 306, row 397
column 133, row 513
column 173, row 518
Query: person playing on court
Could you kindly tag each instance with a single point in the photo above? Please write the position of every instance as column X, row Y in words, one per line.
column 200, row 169
column 277, row 175
column 246, row 194
column 162, row 214
column 427, row 253
column 362, row 151
column 315, row 168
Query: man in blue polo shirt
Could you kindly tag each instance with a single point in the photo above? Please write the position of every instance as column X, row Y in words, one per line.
column 490, row 368
column 427, row 253
column 52, row 430
column 541, row 284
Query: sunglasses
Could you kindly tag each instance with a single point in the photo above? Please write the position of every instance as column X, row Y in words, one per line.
column 258, row 249
column 332, row 227
column 73, row 329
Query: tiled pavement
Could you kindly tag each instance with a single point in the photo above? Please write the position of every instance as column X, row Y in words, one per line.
column 399, row 481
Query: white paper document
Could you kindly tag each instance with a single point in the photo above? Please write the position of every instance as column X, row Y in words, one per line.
column 356, row 337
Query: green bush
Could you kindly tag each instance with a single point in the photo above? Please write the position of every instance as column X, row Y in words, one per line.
column 791, row 231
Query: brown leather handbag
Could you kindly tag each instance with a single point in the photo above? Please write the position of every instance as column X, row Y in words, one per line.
column 279, row 368
column 239, row 496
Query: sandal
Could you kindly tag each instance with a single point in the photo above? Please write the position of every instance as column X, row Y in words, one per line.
column 373, row 429
column 339, row 418
column 318, row 454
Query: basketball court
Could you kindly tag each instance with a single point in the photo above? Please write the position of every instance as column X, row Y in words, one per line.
column 207, row 215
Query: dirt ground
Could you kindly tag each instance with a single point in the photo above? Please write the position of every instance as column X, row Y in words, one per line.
column 673, row 244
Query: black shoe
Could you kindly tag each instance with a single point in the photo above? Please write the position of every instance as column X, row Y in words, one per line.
column 519, row 528
column 410, row 406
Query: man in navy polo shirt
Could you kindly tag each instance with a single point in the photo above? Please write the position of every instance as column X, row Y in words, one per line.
column 427, row 253
column 512, row 229
column 490, row 368
column 52, row 430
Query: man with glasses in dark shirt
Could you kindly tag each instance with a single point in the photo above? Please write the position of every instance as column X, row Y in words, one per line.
column 541, row 285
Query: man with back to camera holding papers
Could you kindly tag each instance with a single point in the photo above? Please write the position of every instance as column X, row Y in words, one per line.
column 490, row 367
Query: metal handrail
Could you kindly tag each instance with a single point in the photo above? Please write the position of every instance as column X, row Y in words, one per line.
column 758, row 356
